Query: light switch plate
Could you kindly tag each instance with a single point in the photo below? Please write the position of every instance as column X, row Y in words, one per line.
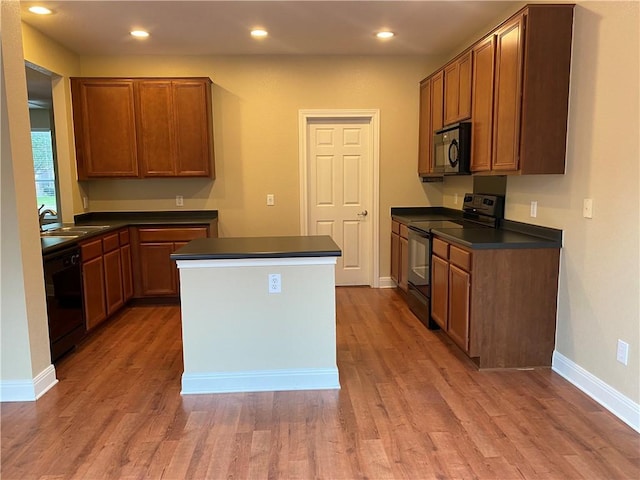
column 534, row 209
column 271, row 199
column 179, row 201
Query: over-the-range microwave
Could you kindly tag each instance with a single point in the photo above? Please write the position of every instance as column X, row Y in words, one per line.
column 452, row 149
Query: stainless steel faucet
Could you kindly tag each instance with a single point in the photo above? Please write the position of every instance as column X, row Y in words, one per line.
column 42, row 213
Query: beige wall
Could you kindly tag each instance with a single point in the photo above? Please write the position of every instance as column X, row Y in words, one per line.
column 24, row 335
column 41, row 51
column 600, row 269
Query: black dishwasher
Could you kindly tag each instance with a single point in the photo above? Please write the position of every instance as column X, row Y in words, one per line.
column 63, row 285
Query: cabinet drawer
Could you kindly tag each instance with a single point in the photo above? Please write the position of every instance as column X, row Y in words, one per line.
column 124, row 236
column 184, row 234
column 110, row 242
column 404, row 231
column 90, row 250
column 460, row 258
column 395, row 227
column 440, row 248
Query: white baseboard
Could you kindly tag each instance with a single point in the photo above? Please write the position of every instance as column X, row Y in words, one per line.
column 260, row 381
column 28, row 390
column 621, row 406
column 386, row 282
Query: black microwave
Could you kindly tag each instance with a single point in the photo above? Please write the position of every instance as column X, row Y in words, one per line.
column 452, row 149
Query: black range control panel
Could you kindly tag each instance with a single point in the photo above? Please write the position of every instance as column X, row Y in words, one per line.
column 491, row 205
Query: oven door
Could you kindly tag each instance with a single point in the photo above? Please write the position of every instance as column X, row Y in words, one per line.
column 419, row 256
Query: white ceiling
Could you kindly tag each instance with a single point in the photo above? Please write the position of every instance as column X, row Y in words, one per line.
column 330, row 27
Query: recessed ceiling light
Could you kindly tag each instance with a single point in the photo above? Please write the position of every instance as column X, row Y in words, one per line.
column 140, row 33
column 40, row 10
column 259, row 33
column 385, row 34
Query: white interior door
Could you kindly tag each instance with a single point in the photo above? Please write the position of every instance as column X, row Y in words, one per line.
column 339, row 192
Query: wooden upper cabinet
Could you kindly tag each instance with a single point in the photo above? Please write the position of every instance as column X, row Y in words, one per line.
column 174, row 124
column 105, row 133
column 457, row 89
column 514, row 86
column 192, row 116
column 531, row 90
column 437, row 100
column 143, row 127
column 508, row 91
column 482, row 105
column 425, row 139
column 156, row 140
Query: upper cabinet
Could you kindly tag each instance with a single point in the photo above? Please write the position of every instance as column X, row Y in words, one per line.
column 531, row 90
column 143, row 127
column 105, row 128
column 513, row 85
column 457, row 89
column 425, row 139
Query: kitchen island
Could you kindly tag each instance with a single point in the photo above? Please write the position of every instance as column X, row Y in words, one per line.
column 239, row 332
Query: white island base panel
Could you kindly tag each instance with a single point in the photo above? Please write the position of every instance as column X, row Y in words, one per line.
column 238, row 337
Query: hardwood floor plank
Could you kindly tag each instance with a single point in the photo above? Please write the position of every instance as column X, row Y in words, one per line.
column 412, row 406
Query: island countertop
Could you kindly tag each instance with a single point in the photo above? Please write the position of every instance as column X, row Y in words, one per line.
column 258, row 247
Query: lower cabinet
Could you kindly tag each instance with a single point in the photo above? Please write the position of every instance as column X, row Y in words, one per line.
column 451, row 291
column 157, row 273
column 106, row 275
column 497, row 305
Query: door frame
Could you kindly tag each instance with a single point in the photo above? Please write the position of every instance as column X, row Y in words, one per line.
column 373, row 118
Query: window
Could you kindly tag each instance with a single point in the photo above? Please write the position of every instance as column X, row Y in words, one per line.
column 43, row 141
column 44, row 166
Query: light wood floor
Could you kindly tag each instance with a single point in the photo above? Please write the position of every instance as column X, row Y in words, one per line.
column 411, row 406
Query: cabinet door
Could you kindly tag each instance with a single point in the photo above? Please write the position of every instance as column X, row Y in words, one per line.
column 425, row 139
column 437, row 100
column 459, row 303
column 127, row 275
column 439, row 290
column 158, row 271
column 451, row 92
column 95, row 310
column 403, row 274
column 113, row 281
column 482, row 105
column 105, row 129
column 156, row 131
column 395, row 256
column 192, row 117
column 464, row 86
column 508, row 92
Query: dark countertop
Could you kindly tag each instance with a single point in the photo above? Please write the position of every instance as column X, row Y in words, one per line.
column 494, row 238
column 509, row 234
column 258, row 247
column 116, row 220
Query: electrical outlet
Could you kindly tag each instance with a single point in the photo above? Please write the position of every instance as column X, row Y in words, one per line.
column 179, row 201
column 622, row 353
column 587, row 208
column 85, row 202
column 455, row 198
column 271, row 199
column 275, row 283
column 534, row 209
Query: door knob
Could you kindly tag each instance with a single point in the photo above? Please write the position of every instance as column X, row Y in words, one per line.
column 363, row 214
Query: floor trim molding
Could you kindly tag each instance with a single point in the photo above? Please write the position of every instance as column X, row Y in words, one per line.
column 261, row 381
column 386, row 282
column 621, row 406
column 28, row 390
